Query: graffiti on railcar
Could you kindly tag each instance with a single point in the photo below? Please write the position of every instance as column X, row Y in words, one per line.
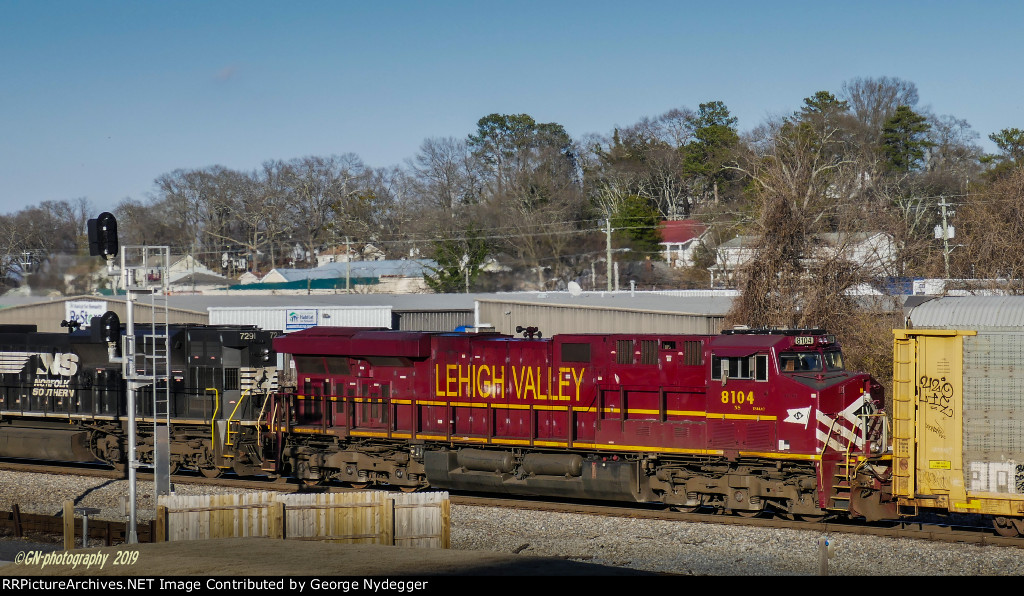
column 938, row 394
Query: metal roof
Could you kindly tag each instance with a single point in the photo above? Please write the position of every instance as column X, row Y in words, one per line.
column 397, row 302
column 702, row 302
column 402, row 268
column 969, row 312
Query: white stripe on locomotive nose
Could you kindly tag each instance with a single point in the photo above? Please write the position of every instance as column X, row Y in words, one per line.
column 839, row 432
column 826, row 430
column 13, row 362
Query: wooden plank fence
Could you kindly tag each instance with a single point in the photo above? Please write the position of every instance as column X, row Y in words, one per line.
column 367, row 517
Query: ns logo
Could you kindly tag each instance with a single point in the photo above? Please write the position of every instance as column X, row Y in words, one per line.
column 65, row 365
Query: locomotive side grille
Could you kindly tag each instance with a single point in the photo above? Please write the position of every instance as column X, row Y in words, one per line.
column 231, row 379
column 694, row 353
column 648, row 351
column 624, row 351
column 681, row 431
column 723, row 434
column 760, row 436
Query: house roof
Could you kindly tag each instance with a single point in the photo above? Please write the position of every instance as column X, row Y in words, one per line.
column 681, row 230
column 741, row 242
column 400, row 268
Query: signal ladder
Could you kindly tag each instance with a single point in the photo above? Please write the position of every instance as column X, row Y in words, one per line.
column 146, row 269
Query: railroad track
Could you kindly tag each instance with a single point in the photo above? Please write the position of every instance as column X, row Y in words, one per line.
column 907, row 529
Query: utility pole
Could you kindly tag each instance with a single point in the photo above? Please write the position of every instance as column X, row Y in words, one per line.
column 946, row 233
column 348, row 265
column 608, row 250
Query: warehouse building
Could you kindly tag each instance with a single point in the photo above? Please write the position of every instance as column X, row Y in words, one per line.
column 552, row 312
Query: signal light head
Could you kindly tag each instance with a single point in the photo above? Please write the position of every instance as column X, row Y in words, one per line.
column 103, row 236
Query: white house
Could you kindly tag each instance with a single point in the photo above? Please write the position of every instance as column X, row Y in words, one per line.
column 730, row 257
column 339, row 254
column 679, row 240
column 875, row 252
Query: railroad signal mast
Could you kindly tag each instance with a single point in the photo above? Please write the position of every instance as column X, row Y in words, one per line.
column 140, row 267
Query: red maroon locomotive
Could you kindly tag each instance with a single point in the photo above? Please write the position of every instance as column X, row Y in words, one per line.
column 747, row 421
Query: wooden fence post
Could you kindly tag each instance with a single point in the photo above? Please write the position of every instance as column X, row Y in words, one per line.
column 69, row 525
column 446, row 523
column 16, row 514
column 276, row 520
column 387, row 522
column 161, row 524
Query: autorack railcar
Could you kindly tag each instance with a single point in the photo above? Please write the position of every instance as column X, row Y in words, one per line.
column 958, row 398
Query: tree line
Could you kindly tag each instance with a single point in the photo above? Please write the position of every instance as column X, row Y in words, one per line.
column 526, row 196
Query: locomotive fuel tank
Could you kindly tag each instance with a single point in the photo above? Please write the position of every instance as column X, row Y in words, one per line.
column 52, row 444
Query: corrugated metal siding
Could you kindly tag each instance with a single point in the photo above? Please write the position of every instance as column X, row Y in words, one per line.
column 48, row 316
column 430, row 320
column 993, row 412
column 276, row 318
column 553, row 319
column 970, row 312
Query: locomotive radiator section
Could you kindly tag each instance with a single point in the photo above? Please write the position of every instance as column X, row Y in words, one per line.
column 959, row 436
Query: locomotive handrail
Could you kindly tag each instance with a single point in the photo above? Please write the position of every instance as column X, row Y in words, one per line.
column 231, row 416
column 263, row 410
column 824, row 447
column 213, row 418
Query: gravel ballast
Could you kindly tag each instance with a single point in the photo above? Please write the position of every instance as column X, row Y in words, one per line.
column 644, row 545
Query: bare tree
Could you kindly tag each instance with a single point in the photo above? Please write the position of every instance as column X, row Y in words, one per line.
column 447, row 175
column 990, row 225
column 321, row 190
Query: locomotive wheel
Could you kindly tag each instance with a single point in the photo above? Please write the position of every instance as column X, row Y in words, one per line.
column 811, row 519
column 409, row 489
column 210, row 472
column 747, row 513
column 686, row 508
column 1005, row 527
column 359, row 485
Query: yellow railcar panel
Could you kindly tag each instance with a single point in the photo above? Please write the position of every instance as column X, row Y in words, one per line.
column 940, row 390
column 927, row 416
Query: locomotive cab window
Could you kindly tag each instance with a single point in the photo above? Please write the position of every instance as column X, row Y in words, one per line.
column 753, row 367
column 834, row 360
column 801, row 362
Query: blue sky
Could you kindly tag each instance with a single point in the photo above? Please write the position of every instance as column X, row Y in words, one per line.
column 98, row 98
